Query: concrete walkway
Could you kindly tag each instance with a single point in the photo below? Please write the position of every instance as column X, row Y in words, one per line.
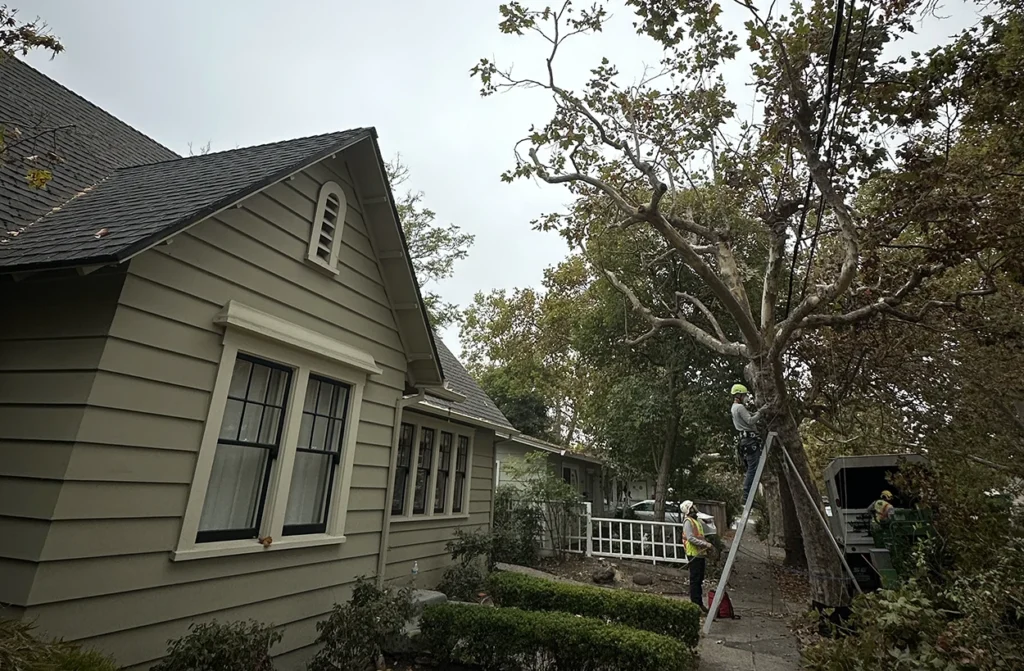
column 760, row 640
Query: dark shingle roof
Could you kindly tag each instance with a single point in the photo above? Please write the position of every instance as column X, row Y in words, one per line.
column 477, row 404
column 135, row 207
column 90, row 142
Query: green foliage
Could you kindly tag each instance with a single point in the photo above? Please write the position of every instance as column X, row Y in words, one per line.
column 509, row 639
column 222, row 646
column 517, row 529
column 650, row 612
column 555, row 500
column 433, row 248
column 354, row 634
column 18, row 37
column 471, row 556
column 20, row 650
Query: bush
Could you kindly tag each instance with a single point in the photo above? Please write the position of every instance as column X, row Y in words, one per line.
column 219, row 646
column 517, row 530
column 650, row 612
column 470, row 551
column 507, row 639
column 354, row 635
column 20, row 650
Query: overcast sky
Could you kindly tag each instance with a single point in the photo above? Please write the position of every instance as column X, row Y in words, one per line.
column 243, row 72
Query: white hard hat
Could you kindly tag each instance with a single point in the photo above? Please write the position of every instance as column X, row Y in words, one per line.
column 685, row 506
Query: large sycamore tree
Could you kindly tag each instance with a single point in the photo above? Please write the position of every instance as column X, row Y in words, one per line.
column 820, row 211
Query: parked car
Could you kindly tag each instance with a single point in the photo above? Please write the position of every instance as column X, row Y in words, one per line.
column 644, row 510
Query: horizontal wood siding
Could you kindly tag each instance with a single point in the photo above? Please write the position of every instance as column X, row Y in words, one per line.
column 54, row 329
column 106, row 577
column 423, row 540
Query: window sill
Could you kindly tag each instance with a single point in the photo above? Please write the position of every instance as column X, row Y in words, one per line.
column 317, row 264
column 230, row 548
column 427, row 518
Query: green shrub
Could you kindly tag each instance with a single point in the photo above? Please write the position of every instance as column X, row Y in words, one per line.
column 20, row 650
column 507, row 639
column 517, row 530
column 221, row 646
column 354, row 635
column 650, row 612
column 470, row 551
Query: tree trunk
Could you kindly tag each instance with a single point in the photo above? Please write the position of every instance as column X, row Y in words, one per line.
column 792, row 538
column 665, row 465
column 827, row 579
column 773, row 505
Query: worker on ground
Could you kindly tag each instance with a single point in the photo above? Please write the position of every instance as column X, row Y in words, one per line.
column 696, row 552
column 749, row 447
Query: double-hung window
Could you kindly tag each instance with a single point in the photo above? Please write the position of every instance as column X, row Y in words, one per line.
column 461, row 465
column 426, row 458
column 444, row 464
column 402, row 464
column 249, row 441
column 275, row 465
column 317, row 456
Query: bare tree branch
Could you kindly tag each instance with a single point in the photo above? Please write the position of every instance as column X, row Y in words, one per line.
column 658, row 323
column 707, row 313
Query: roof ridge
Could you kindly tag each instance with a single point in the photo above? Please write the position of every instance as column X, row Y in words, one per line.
column 22, row 63
column 361, row 129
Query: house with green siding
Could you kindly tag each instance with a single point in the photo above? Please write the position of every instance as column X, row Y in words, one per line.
column 220, row 396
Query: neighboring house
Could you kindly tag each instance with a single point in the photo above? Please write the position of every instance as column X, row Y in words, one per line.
column 219, row 393
column 585, row 473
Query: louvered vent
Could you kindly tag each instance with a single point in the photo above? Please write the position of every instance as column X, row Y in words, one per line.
column 328, row 226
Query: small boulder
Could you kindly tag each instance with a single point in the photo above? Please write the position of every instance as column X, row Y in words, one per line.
column 644, row 579
column 604, row 575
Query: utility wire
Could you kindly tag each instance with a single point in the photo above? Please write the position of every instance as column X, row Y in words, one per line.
column 833, row 53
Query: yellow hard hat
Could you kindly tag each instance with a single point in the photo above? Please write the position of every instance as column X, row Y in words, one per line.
column 739, row 389
column 887, row 495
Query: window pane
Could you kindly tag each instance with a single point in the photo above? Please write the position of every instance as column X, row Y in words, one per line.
column 312, row 389
column 340, row 402
column 441, row 492
column 306, row 430
column 278, row 387
column 324, row 403
column 239, row 378
column 271, row 424
column 319, row 440
column 251, row 417
column 258, row 383
column 401, row 483
column 307, row 498
column 426, row 456
column 235, row 489
column 419, row 502
column 232, row 419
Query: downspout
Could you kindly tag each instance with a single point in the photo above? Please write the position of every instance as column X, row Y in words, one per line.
column 385, row 532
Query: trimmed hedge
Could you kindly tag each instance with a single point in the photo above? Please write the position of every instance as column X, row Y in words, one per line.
column 650, row 612
column 509, row 639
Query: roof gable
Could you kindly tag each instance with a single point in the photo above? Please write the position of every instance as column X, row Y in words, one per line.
column 137, row 207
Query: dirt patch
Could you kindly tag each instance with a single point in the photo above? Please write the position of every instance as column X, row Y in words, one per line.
column 668, row 579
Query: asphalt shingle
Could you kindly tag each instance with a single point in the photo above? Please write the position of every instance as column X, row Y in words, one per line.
column 477, row 404
column 137, row 206
column 40, row 116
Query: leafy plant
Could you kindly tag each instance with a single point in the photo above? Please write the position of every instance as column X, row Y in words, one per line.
column 222, row 646
column 517, row 530
column 556, row 501
column 20, row 650
column 354, row 634
column 507, row 639
column 471, row 553
column 650, row 612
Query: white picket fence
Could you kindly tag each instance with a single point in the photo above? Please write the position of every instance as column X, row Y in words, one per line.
column 611, row 537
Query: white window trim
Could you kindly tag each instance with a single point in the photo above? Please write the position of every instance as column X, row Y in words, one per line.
column 326, row 190
column 305, row 352
column 438, row 426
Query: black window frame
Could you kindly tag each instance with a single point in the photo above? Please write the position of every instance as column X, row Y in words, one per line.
column 461, row 466
column 420, row 507
column 401, row 493
column 336, row 454
column 444, row 466
column 274, row 449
